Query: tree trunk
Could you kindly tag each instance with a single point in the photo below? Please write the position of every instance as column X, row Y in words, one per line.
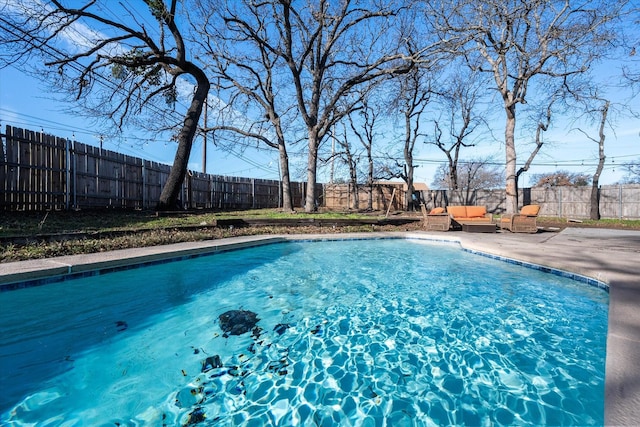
column 171, row 190
column 354, row 184
column 312, row 165
column 287, row 197
column 594, row 212
column 370, row 179
column 409, row 205
column 511, row 200
column 353, row 175
column 409, row 142
column 453, row 175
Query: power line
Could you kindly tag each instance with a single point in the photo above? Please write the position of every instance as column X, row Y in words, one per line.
column 144, row 18
column 55, row 125
column 249, row 161
column 52, row 51
column 568, row 163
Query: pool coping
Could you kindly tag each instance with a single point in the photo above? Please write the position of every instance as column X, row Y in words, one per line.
column 23, row 274
column 603, row 258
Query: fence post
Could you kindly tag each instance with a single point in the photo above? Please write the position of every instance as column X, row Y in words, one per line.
column 144, row 185
column 253, row 193
column 280, row 192
column 75, row 174
column 183, row 195
column 212, row 188
column 67, row 159
column 620, row 201
column 560, row 202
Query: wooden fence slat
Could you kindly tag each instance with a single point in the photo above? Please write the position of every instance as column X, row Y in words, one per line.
column 3, row 173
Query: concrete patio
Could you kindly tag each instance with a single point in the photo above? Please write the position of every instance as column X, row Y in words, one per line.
column 610, row 256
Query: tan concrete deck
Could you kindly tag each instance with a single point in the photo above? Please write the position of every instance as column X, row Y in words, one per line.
column 611, row 256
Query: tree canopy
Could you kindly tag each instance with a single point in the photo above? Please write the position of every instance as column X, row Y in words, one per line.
column 278, row 73
column 123, row 72
column 561, row 178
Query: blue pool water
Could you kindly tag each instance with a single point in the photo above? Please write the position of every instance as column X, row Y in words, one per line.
column 368, row 333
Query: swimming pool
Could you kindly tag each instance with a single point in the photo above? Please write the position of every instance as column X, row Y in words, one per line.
column 351, row 332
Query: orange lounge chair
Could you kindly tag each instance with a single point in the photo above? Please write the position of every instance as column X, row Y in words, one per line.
column 523, row 222
column 436, row 219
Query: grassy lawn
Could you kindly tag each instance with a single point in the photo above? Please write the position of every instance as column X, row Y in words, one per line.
column 36, row 223
column 632, row 224
column 33, row 235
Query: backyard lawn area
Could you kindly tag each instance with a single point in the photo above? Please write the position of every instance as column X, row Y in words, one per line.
column 32, row 235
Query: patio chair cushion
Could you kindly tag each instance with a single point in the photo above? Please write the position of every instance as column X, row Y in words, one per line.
column 476, row 211
column 530, row 210
column 457, row 211
column 436, row 211
column 467, row 212
column 463, row 214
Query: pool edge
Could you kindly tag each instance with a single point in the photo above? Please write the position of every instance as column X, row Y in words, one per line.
column 24, row 274
column 39, row 272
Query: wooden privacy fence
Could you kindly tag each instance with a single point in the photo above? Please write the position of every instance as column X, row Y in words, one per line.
column 45, row 172
column 616, row 201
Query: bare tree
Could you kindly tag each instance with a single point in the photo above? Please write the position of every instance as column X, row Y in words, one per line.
column 127, row 67
column 594, row 212
column 365, row 130
column 631, row 50
column 459, row 99
column 410, row 98
column 560, row 178
column 472, row 175
column 330, row 50
column 595, row 110
column 632, row 175
column 516, row 41
column 350, row 158
column 247, row 71
column 542, row 125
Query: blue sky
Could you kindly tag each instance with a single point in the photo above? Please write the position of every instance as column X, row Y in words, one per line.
column 26, row 102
